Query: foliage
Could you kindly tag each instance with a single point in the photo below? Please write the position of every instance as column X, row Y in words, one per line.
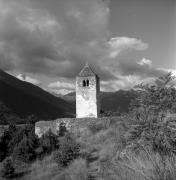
column 69, row 150
column 27, row 132
column 160, row 98
column 48, row 143
column 150, row 125
column 62, row 129
column 32, row 119
column 25, row 150
column 144, row 165
column 95, row 127
column 5, row 139
column 16, row 141
column 7, row 169
column 110, row 113
column 77, row 170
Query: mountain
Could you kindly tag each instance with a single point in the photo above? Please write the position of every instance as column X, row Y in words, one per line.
column 110, row 101
column 119, row 100
column 24, row 99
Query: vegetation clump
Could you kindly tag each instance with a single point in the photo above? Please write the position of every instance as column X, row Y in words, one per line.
column 7, row 169
column 150, row 124
column 68, row 151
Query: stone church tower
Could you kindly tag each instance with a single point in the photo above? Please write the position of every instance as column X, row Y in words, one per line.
column 87, row 93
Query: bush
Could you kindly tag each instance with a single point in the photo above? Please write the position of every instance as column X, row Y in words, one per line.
column 149, row 110
column 25, row 150
column 8, row 169
column 69, row 150
column 95, row 127
column 77, row 170
column 48, row 143
column 62, row 129
column 27, row 132
column 5, row 140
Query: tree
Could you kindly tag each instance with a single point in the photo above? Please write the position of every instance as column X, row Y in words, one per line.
column 32, row 119
column 5, row 140
column 148, row 112
column 8, row 169
column 158, row 98
column 25, row 150
column 68, row 150
column 48, row 142
column 62, row 129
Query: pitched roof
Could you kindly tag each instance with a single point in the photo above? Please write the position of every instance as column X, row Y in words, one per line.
column 86, row 71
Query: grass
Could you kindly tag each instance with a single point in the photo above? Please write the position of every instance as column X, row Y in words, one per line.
column 104, row 156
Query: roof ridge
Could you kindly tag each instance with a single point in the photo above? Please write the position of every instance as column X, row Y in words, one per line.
column 87, row 71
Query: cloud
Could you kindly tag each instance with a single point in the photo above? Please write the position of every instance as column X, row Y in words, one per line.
column 56, row 38
column 23, row 77
column 51, row 37
column 62, row 85
column 60, row 91
column 145, row 62
column 130, row 73
column 121, row 44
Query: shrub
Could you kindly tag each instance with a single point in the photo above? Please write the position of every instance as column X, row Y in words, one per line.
column 77, row 170
column 32, row 119
column 69, row 150
column 8, row 169
column 149, row 110
column 5, row 140
column 48, row 142
column 62, row 129
column 25, row 150
column 27, row 132
column 95, row 127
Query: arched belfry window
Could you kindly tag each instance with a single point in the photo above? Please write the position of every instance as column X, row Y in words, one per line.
column 87, row 82
column 84, row 83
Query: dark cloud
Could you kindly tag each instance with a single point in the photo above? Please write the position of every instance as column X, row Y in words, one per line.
column 52, row 37
column 57, row 37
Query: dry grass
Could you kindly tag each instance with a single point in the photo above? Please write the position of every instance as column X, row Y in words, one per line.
column 113, row 163
column 77, row 170
column 43, row 170
column 144, row 166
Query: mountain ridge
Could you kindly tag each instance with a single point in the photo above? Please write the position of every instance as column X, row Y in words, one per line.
column 110, row 101
column 25, row 99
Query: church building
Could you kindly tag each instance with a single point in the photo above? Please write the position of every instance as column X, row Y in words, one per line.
column 87, row 93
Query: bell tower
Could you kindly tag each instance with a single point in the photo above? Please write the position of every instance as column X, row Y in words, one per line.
column 87, row 93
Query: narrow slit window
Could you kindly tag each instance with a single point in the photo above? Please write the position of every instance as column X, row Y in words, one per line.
column 84, row 83
column 87, row 82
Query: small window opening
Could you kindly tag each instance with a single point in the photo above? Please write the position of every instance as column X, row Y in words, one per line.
column 87, row 82
column 84, row 83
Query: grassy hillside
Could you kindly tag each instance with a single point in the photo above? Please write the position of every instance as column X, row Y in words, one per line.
column 105, row 155
column 25, row 98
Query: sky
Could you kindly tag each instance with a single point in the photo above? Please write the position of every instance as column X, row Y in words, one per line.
column 126, row 42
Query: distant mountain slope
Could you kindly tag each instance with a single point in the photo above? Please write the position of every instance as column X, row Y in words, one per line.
column 110, row 101
column 24, row 98
column 119, row 100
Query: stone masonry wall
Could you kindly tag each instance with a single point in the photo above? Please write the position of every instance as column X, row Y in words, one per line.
column 75, row 125
column 87, row 98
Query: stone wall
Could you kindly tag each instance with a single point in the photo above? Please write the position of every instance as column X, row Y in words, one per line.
column 75, row 125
